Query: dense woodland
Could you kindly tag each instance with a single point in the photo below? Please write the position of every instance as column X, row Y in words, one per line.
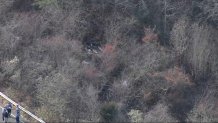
column 111, row 60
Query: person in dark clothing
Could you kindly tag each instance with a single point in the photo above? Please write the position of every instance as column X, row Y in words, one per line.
column 9, row 108
column 3, row 112
column 17, row 114
column 4, row 115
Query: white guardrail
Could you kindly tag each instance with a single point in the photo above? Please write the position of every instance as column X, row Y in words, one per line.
column 23, row 109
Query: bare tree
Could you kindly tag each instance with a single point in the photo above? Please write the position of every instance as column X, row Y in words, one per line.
column 194, row 42
column 179, row 36
column 208, row 11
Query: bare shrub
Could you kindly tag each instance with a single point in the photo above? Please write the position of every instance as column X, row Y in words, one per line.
column 79, row 101
column 59, row 48
column 135, row 116
column 71, row 103
column 91, row 72
column 4, row 5
column 31, row 71
column 172, row 10
column 180, row 101
column 211, row 10
column 23, row 5
column 51, row 89
column 146, row 58
column 120, row 89
column 44, row 3
column 109, row 112
column 158, row 114
column 48, row 114
column 8, row 41
column 140, row 60
column 149, row 35
column 10, row 65
column 144, row 93
column 205, row 109
column 109, row 57
column 73, row 25
column 26, row 26
column 118, row 26
column 175, row 75
column 63, row 17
